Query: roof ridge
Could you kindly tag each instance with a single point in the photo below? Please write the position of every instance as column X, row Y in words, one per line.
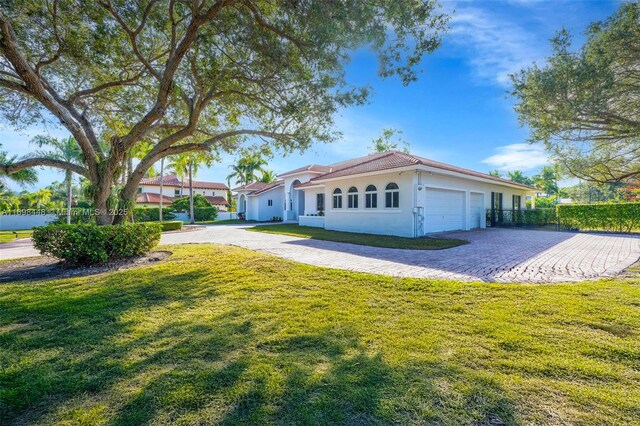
column 373, row 158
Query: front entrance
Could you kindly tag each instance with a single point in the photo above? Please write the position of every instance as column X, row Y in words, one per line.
column 296, row 202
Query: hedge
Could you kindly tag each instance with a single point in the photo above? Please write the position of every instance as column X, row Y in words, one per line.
column 623, row 217
column 523, row 217
column 171, row 226
column 89, row 244
column 205, row 213
column 152, row 214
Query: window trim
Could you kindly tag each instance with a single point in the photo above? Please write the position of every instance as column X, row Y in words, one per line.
column 352, row 198
column 371, row 197
column 337, row 198
column 392, row 191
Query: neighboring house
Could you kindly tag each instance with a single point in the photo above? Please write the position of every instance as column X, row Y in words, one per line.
column 172, row 187
column 389, row 193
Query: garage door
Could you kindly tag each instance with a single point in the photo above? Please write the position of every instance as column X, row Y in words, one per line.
column 477, row 209
column 444, row 210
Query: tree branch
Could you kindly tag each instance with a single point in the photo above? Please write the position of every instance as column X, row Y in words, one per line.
column 44, row 161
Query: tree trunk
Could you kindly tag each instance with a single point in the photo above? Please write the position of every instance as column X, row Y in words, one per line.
column 193, row 220
column 129, row 166
column 161, row 184
column 67, row 179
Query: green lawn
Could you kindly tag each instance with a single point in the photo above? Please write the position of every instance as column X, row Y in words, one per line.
column 8, row 236
column 222, row 335
column 361, row 239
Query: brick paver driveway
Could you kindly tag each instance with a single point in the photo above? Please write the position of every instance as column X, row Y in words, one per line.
column 503, row 255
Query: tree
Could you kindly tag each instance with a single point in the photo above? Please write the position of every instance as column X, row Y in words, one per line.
column 546, row 180
column 184, row 203
column 244, row 171
column 495, row 173
column 194, row 76
column 518, row 176
column 22, row 177
column 188, row 164
column 267, row 176
column 65, row 150
column 583, row 106
column 42, row 197
column 385, row 141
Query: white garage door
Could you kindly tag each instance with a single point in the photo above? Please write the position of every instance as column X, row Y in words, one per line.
column 444, row 210
column 477, row 209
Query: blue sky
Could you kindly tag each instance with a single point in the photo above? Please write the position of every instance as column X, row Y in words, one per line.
column 458, row 112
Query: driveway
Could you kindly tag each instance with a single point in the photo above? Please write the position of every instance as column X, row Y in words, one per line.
column 502, row 255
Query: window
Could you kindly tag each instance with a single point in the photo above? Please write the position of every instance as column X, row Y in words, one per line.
column 176, row 192
column 517, row 202
column 269, row 203
column 352, row 198
column 320, row 202
column 139, row 190
column 337, row 198
column 392, row 196
column 371, row 197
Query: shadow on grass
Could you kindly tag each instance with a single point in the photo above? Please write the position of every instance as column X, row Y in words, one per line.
column 87, row 356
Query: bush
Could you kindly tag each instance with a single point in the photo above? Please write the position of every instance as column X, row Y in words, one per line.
column 152, row 214
column 90, row 244
column 205, row 213
column 623, row 217
column 171, row 226
column 182, row 204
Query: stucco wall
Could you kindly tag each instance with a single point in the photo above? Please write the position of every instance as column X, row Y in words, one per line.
column 169, row 191
column 264, row 211
column 310, row 200
column 381, row 220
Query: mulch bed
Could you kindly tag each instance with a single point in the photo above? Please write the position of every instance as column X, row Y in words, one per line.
column 35, row 268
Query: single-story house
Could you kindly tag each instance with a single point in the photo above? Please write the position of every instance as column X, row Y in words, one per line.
column 172, row 187
column 389, row 193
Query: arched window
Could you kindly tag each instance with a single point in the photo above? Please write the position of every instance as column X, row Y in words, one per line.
column 352, row 198
column 392, row 196
column 337, row 198
column 371, row 197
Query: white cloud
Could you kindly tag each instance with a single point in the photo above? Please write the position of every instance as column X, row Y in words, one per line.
column 518, row 156
column 496, row 46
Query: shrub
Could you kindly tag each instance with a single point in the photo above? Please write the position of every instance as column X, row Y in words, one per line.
column 205, row 213
column 182, row 204
column 623, row 217
column 89, row 244
column 152, row 214
column 171, row 226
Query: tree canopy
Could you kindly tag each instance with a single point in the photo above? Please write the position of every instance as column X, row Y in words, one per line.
column 389, row 140
column 583, row 105
column 194, row 75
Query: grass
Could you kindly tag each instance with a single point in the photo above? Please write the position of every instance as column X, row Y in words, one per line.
column 8, row 236
column 222, row 335
column 360, row 239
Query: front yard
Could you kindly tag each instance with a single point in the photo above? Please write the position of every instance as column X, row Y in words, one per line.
column 387, row 241
column 219, row 334
column 8, row 236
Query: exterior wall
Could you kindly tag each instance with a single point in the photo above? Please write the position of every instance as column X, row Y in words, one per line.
column 291, row 195
column 313, row 221
column 169, row 191
column 386, row 221
column 252, row 208
column 264, row 210
column 310, row 200
column 14, row 222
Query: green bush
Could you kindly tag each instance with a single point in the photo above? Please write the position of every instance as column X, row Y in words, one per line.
column 171, row 226
column 88, row 244
column 205, row 213
column 623, row 217
column 182, row 204
column 152, row 214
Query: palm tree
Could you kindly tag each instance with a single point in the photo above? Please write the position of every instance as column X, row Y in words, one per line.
column 42, row 196
column 244, row 171
column 66, row 150
column 238, row 174
column 547, row 180
column 268, row 176
column 22, row 178
column 518, row 176
column 189, row 163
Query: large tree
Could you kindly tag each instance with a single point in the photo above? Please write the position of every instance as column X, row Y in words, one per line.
column 194, row 75
column 584, row 105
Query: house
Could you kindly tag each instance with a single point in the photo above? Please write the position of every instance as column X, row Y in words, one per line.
column 389, row 193
column 172, row 187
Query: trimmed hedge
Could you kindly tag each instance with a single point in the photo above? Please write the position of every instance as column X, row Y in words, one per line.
column 90, row 244
column 205, row 213
column 623, row 217
column 524, row 217
column 171, row 226
column 152, row 214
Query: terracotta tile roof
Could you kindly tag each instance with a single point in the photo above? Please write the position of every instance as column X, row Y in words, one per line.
column 216, row 201
column 253, row 186
column 395, row 159
column 150, row 198
column 308, row 168
column 267, row 188
column 172, row 180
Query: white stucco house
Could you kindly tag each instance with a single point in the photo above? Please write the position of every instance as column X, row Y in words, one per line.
column 389, row 193
column 172, row 187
